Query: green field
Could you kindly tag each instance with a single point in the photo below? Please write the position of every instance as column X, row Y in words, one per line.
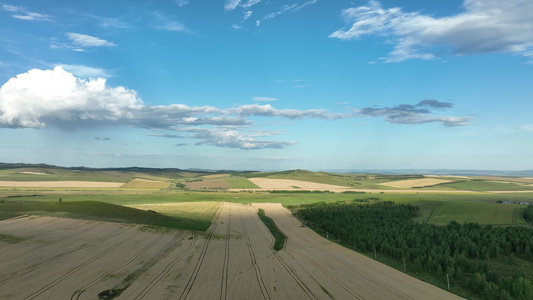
column 482, row 185
column 435, row 208
column 237, row 182
column 93, row 210
column 477, row 212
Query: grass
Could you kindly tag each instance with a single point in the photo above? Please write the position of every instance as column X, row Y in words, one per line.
column 279, row 236
column 203, row 211
column 101, row 211
column 459, row 210
column 237, row 182
column 12, row 239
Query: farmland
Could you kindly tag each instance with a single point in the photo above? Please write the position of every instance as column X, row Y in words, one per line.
column 146, row 184
column 234, row 259
column 165, row 205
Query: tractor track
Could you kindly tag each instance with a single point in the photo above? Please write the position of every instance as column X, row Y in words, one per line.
column 58, row 257
column 200, row 260
column 166, row 270
column 258, row 276
column 79, row 267
column 77, row 294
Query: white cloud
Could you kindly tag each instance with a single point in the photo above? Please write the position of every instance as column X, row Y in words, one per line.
column 483, row 27
column 28, row 16
column 38, row 97
column 182, row 3
column 165, row 23
column 31, row 16
column 84, row 40
column 85, row 71
column 235, row 139
column 250, row 3
column 289, row 8
column 269, row 111
column 12, row 8
column 173, row 26
column 264, row 99
column 231, row 4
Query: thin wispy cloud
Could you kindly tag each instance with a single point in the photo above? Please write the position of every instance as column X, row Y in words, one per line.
column 23, row 14
column 167, row 24
column 86, row 71
column 182, row 3
column 234, row 139
column 11, row 8
column 231, row 5
column 264, row 99
column 483, row 27
column 108, row 23
column 165, row 135
column 415, row 114
column 289, row 8
column 86, row 41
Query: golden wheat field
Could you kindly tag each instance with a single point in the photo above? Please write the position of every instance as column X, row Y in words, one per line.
column 57, row 258
column 414, row 183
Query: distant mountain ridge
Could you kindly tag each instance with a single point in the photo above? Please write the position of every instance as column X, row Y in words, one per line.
column 453, row 172
column 6, row 166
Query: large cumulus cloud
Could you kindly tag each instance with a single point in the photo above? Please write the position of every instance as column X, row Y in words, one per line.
column 38, row 96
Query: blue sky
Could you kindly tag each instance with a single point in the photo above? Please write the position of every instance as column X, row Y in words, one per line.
column 268, row 85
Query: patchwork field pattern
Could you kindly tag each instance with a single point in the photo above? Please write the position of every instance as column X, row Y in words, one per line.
column 77, row 259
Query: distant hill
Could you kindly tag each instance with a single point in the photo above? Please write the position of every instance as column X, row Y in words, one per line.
column 6, row 166
column 454, row 172
column 299, row 173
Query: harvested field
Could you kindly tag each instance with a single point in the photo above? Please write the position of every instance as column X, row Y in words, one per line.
column 146, row 184
column 411, row 183
column 216, row 176
column 289, row 184
column 78, row 259
column 61, row 184
column 208, row 184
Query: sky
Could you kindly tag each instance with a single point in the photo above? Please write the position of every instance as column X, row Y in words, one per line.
column 268, row 85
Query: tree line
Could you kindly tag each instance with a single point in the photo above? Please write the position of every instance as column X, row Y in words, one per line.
column 462, row 251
